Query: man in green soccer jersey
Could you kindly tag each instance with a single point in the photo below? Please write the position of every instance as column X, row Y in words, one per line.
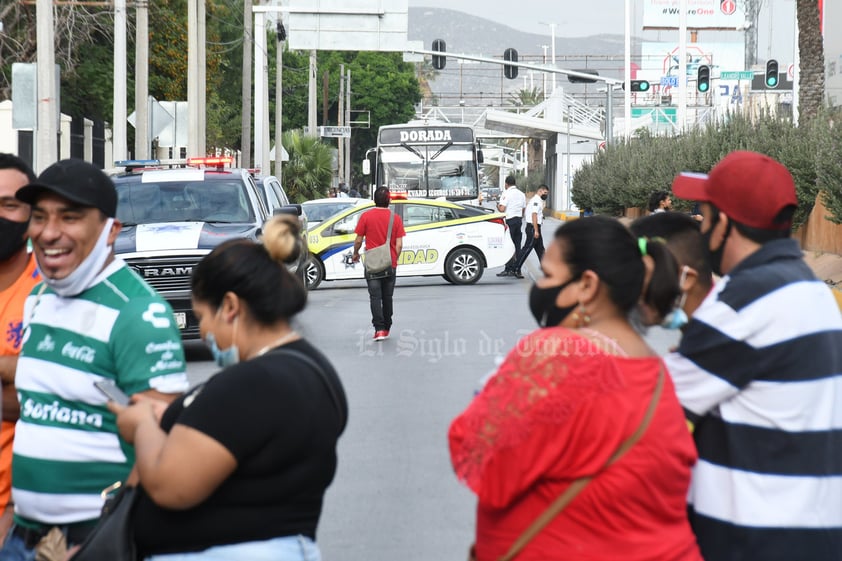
column 91, row 319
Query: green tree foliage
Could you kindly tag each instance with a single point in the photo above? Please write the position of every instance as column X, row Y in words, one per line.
column 309, row 170
column 623, row 175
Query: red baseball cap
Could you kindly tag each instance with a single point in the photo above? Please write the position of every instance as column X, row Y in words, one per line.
column 749, row 187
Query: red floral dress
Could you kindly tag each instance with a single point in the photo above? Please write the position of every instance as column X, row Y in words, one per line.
column 556, row 410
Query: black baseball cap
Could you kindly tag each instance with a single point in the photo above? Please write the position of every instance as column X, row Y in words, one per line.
column 76, row 180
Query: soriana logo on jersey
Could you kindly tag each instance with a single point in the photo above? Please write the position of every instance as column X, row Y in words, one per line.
column 701, row 14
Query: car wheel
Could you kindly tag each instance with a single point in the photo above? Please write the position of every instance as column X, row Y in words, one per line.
column 314, row 274
column 463, row 266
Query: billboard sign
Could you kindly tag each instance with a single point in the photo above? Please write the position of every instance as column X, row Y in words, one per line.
column 701, row 14
column 348, row 25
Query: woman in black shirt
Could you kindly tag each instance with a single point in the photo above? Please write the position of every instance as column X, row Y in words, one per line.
column 237, row 468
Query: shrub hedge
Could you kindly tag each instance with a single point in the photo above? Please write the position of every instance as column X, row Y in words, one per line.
column 625, row 173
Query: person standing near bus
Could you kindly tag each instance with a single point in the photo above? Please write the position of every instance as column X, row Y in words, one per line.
column 513, row 203
column 373, row 227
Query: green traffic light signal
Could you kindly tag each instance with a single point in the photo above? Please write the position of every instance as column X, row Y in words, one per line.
column 703, row 78
column 772, row 73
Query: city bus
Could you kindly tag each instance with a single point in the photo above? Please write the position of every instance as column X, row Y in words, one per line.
column 426, row 159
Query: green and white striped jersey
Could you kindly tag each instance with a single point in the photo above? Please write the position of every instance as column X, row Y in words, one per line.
column 66, row 447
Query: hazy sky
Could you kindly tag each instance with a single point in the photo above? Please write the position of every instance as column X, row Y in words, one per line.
column 579, row 18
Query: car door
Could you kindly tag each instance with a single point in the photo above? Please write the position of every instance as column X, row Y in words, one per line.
column 337, row 258
column 428, row 238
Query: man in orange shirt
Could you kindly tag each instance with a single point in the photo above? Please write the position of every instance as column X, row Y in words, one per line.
column 18, row 274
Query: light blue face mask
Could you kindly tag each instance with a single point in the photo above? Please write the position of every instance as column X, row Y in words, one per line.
column 677, row 318
column 223, row 357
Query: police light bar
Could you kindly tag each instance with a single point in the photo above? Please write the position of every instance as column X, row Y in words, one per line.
column 216, row 161
column 132, row 165
column 397, row 195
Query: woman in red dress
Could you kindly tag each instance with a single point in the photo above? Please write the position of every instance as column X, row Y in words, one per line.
column 567, row 397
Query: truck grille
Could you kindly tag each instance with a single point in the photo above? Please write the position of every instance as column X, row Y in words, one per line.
column 165, row 273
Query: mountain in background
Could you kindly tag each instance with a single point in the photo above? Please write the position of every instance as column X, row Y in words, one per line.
column 481, row 84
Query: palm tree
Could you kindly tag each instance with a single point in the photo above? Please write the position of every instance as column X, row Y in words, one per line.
column 308, row 173
column 424, row 73
column 811, row 60
column 527, row 98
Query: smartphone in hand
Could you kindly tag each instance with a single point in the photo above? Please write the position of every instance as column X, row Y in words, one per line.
column 112, row 392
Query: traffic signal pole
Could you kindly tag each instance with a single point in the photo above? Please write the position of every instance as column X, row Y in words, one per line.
column 609, row 82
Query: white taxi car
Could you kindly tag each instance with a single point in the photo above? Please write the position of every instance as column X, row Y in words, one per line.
column 444, row 238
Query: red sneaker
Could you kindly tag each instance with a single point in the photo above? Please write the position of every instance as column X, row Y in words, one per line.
column 380, row 335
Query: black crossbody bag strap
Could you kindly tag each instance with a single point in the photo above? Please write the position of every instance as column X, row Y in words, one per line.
column 343, row 414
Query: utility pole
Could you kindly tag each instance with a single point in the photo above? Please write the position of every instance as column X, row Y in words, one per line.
column 46, row 145
column 348, row 123
column 261, row 93
column 245, row 131
column 118, row 127
column 196, row 78
column 279, row 96
column 311, row 100
column 203, row 81
column 751, row 34
column 141, row 84
column 340, row 120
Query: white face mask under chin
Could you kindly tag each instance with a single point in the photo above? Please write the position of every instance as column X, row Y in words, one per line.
column 83, row 276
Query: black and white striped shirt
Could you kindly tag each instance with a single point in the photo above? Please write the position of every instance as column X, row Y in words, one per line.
column 759, row 372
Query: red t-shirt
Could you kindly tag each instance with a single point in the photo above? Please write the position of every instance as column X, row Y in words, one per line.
column 374, row 224
column 556, row 410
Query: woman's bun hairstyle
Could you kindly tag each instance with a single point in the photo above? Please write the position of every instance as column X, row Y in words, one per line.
column 282, row 238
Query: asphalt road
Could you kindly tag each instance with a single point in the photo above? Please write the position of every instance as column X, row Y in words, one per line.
column 395, row 495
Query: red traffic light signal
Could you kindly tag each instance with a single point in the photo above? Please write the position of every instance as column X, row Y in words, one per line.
column 703, row 78
column 439, row 61
column 510, row 71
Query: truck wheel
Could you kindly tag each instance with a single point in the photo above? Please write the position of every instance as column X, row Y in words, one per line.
column 464, row 266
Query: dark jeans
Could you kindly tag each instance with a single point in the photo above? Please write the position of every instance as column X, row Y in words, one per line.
column 531, row 243
column 514, row 225
column 20, row 543
column 381, row 287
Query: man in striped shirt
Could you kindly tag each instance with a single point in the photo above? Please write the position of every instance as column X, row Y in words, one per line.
column 91, row 319
column 759, row 373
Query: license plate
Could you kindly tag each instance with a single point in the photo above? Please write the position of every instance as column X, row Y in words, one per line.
column 181, row 319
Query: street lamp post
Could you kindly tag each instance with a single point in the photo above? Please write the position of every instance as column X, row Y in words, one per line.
column 552, row 46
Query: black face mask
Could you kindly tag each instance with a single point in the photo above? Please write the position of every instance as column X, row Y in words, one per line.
column 715, row 256
column 544, row 196
column 542, row 304
column 11, row 237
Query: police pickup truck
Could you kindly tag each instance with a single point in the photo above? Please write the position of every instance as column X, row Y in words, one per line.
column 173, row 216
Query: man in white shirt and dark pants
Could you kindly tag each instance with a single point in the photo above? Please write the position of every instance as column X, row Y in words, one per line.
column 534, row 220
column 512, row 202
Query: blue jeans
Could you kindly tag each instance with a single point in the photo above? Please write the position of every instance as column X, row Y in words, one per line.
column 380, row 291
column 289, row 548
column 15, row 550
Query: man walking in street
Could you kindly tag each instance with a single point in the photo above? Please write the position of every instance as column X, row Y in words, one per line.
column 373, row 227
column 512, row 202
column 534, row 220
column 91, row 319
column 18, row 274
column 757, row 372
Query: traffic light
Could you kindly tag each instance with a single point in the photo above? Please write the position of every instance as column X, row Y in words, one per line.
column 638, row 85
column 771, row 73
column 580, row 79
column 510, row 71
column 439, row 61
column 703, row 78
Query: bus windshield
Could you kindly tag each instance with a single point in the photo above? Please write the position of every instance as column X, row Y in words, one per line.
column 428, row 162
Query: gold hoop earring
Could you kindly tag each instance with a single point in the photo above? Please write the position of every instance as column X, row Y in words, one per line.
column 581, row 316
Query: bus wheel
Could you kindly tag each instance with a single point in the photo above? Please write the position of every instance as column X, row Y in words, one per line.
column 314, row 274
column 463, row 266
